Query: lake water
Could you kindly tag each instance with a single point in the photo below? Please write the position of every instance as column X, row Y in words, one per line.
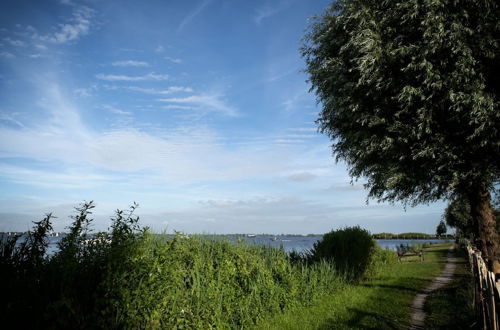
column 289, row 243
column 303, row 243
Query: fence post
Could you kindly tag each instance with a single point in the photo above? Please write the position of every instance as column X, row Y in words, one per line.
column 486, row 291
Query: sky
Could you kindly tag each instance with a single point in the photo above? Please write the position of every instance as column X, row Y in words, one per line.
column 197, row 110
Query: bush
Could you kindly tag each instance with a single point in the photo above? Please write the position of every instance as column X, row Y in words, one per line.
column 350, row 249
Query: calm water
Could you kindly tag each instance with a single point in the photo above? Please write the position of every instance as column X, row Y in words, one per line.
column 289, row 243
column 303, row 243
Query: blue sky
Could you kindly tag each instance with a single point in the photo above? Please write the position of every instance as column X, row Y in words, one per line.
column 197, row 110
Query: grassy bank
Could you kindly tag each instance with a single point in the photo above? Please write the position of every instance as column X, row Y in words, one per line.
column 129, row 278
column 380, row 302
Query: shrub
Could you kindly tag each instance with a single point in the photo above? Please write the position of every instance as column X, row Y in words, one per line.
column 350, row 249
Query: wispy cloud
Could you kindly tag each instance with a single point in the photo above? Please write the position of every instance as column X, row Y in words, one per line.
column 11, row 118
column 131, row 63
column 17, row 43
column 173, row 59
column 153, row 91
column 85, row 92
column 301, row 177
column 187, row 154
column 178, row 107
column 197, row 10
column 116, row 110
column 303, row 129
column 7, row 55
column 50, row 179
column 287, row 141
column 150, row 76
column 41, row 47
column 293, row 102
column 78, row 26
column 267, row 10
column 210, row 102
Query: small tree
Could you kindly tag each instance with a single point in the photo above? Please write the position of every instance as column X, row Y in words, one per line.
column 441, row 229
column 458, row 215
column 410, row 93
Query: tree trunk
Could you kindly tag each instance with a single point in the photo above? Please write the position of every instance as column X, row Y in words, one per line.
column 487, row 238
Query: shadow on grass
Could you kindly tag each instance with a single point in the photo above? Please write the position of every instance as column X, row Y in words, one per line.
column 362, row 319
column 389, row 286
column 414, row 284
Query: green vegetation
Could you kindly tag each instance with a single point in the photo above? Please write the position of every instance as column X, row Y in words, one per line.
column 410, row 96
column 129, row 278
column 452, row 307
column 381, row 301
column 441, row 229
column 349, row 249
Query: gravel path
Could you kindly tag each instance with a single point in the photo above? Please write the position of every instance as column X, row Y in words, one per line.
column 418, row 316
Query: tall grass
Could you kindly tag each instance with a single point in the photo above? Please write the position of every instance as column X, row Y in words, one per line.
column 130, row 278
column 201, row 283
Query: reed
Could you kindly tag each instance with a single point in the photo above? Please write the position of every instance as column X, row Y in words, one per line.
column 128, row 278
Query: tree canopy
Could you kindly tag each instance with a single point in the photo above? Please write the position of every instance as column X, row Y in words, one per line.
column 410, row 94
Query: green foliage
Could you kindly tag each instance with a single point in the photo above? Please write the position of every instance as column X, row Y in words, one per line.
column 130, row 278
column 441, row 228
column 458, row 215
column 410, row 93
column 380, row 261
column 350, row 249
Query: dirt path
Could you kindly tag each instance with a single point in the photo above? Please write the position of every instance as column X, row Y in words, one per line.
column 418, row 316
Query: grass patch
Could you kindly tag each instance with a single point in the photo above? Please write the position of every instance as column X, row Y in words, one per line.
column 451, row 307
column 381, row 302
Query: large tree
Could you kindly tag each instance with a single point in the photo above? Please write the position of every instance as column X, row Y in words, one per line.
column 410, row 93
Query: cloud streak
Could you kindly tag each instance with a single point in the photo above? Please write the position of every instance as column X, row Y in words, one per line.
column 173, row 59
column 207, row 102
column 267, row 11
column 167, row 91
column 117, row 111
column 197, row 10
column 150, row 76
column 131, row 63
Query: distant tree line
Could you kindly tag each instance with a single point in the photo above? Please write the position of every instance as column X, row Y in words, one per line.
column 408, row 236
